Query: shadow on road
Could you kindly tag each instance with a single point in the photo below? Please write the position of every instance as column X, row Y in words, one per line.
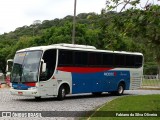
column 70, row 97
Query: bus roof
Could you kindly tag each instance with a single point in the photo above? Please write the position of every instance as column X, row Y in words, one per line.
column 75, row 47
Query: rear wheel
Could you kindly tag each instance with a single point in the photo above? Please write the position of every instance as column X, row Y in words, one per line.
column 120, row 89
column 61, row 93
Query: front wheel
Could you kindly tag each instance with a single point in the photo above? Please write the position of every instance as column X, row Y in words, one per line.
column 61, row 93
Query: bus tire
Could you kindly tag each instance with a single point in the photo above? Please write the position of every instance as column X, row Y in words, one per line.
column 61, row 93
column 120, row 89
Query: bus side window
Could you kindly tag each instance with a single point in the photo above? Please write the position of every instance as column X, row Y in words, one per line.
column 65, row 58
column 108, row 59
column 138, row 61
column 95, row 59
column 130, row 60
column 119, row 60
column 80, row 58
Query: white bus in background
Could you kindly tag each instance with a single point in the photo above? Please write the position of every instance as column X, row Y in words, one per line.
column 8, row 71
column 60, row 69
column 2, row 81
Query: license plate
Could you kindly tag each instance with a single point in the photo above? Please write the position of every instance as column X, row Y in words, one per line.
column 20, row 93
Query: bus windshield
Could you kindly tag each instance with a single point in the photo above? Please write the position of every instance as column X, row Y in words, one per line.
column 26, row 66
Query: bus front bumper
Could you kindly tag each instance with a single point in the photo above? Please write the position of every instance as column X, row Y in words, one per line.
column 33, row 92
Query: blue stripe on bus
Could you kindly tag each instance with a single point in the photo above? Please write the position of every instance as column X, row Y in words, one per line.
column 99, row 82
column 20, row 86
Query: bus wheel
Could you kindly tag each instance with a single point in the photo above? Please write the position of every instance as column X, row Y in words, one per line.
column 61, row 93
column 97, row 93
column 120, row 89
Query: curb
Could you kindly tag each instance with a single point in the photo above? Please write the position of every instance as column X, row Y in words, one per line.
column 149, row 88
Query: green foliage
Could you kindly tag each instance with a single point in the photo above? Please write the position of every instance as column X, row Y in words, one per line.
column 150, row 68
column 139, row 25
column 131, row 30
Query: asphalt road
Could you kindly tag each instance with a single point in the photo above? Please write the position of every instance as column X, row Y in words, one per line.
column 72, row 103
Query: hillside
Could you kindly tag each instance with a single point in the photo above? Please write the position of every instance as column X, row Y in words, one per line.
column 125, row 31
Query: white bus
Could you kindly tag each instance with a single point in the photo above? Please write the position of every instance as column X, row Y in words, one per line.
column 61, row 69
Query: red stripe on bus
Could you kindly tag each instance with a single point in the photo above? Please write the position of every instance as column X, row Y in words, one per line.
column 82, row 69
column 31, row 84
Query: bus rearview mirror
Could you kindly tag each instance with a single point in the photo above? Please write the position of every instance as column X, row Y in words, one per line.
column 44, row 67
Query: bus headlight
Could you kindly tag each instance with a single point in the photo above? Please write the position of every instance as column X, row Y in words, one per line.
column 32, row 88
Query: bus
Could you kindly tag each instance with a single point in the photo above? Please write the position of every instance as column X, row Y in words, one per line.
column 8, row 71
column 61, row 69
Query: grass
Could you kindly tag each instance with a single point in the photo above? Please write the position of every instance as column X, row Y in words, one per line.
column 150, row 82
column 131, row 104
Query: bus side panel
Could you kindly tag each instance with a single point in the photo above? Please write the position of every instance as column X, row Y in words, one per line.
column 114, row 77
column 87, row 82
column 124, row 75
column 136, row 78
column 63, row 77
column 99, row 82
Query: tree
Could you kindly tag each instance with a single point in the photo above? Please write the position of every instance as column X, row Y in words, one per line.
column 3, row 58
column 142, row 24
column 23, row 42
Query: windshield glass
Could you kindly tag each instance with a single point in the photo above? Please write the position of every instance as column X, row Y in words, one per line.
column 26, row 66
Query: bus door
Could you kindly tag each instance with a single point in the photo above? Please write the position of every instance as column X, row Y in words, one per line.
column 47, row 81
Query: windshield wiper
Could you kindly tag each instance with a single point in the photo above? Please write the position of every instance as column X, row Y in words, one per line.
column 25, row 80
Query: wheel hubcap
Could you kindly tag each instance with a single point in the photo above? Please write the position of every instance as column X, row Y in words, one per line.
column 120, row 89
column 63, row 92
